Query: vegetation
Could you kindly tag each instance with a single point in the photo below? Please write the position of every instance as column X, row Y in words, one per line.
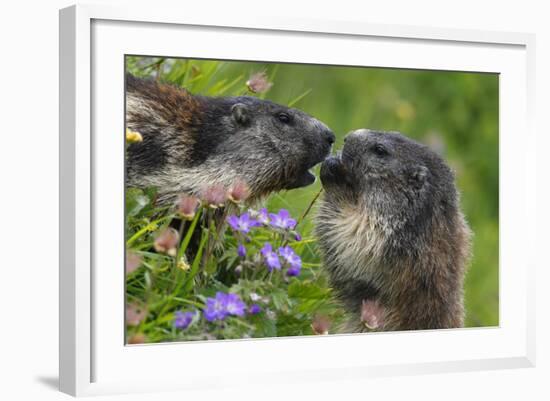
column 225, row 292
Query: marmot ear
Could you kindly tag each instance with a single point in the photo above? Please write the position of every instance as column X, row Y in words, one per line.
column 418, row 176
column 240, row 113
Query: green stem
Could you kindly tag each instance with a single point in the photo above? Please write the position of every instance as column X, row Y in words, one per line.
column 194, row 266
column 188, row 235
column 304, row 215
column 149, row 227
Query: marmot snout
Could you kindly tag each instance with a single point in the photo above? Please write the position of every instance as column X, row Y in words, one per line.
column 394, row 240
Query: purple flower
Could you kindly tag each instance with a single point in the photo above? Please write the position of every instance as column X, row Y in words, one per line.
column 222, row 305
column 282, row 220
column 243, row 223
column 293, row 271
column 254, row 309
column 262, row 216
column 216, row 307
column 182, row 320
column 241, row 251
column 234, row 305
column 271, row 258
column 292, row 259
column 297, row 237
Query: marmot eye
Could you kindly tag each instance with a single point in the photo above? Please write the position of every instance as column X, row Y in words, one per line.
column 284, row 118
column 380, row 150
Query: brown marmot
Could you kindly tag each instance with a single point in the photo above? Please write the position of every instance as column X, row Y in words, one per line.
column 394, row 240
column 191, row 142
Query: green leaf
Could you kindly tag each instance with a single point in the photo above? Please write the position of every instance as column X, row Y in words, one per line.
column 307, row 290
column 136, row 201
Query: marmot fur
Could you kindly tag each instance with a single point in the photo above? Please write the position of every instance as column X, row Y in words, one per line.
column 191, row 142
column 394, row 239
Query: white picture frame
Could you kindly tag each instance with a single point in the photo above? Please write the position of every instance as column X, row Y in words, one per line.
column 93, row 357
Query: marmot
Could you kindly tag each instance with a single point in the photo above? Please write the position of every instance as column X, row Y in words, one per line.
column 394, row 240
column 191, row 142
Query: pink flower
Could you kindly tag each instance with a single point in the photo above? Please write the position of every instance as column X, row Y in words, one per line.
column 258, row 83
column 320, row 325
column 214, row 196
column 372, row 314
column 187, row 206
column 133, row 261
column 239, row 192
column 135, row 314
column 167, row 241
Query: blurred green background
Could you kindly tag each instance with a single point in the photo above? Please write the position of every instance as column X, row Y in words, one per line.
column 455, row 113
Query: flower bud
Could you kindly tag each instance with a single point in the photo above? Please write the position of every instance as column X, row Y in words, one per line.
column 320, row 325
column 133, row 261
column 372, row 314
column 214, row 196
column 254, row 309
column 187, row 206
column 241, row 251
column 239, row 192
column 259, row 83
column 135, row 314
column 167, row 241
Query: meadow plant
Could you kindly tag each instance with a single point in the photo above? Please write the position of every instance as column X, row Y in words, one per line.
column 214, row 268
column 215, row 265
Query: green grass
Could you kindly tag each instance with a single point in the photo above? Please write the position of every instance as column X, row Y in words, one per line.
column 454, row 112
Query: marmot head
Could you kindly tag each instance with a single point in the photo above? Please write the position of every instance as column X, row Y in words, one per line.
column 190, row 142
column 389, row 175
column 271, row 146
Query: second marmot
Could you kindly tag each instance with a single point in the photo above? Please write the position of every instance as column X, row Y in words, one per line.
column 394, row 239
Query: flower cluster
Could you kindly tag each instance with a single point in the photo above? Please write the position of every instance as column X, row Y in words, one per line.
column 275, row 255
column 223, row 305
column 216, row 309
column 290, row 259
column 217, row 195
column 280, row 221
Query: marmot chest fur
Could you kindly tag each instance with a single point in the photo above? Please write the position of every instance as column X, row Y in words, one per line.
column 394, row 240
column 191, row 142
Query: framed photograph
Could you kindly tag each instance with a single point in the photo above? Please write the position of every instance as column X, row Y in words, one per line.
column 290, row 199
